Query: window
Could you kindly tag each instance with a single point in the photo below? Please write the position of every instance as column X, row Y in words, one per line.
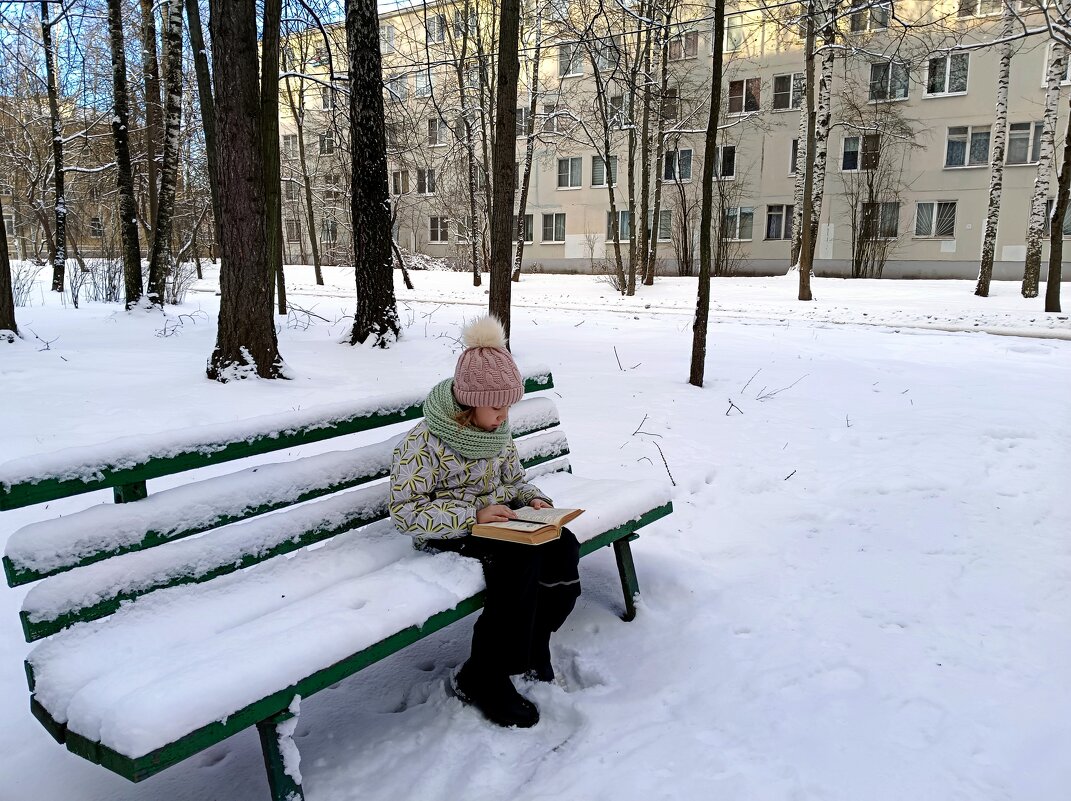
column 598, row 171
column 422, row 83
column 327, row 97
column 464, row 26
column 1024, row 142
column 293, row 232
column 608, row 55
column 671, row 103
column 947, row 75
column 9, row 224
column 461, row 229
column 744, row 95
column 438, row 132
column 425, row 182
column 1049, row 205
column 968, row 146
column 570, row 172
column 677, row 165
column 875, row 18
column 558, row 10
column 738, row 223
column 554, row 227
column 398, row 87
column 290, row 145
column 524, row 121
column 291, row 190
column 386, row 38
column 665, row 225
column 734, row 32
column 978, row 8
column 436, row 28
column 617, row 112
column 779, row 221
column 788, row 91
column 327, row 143
column 725, row 161
column 391, row 131
column 936, row 219
column 570, row 60
column 880, row 220
column 329, row 232
column 551, row 121
column 888, row 80
column 529, row 227
column 852, row 159
column 7, row 192
column 332, row 192
column 399, row 182
column 438, row 229
column 96, row 229
column 685, row 45
column 624, row 227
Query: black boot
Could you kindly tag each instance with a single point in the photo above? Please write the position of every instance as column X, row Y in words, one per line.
column 496, row 697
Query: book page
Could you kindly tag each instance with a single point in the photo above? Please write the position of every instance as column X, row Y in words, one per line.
column 516, row 525
column 550, row 515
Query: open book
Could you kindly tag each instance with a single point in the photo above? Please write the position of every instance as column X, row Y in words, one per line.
column 532, row 526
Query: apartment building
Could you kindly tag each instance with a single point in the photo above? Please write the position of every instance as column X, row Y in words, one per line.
column 906, row 181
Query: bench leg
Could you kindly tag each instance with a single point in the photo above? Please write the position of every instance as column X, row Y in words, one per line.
column 281, row 756
column 627, row 569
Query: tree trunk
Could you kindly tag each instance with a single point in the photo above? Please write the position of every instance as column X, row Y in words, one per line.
column 160, row 261
column 1036, row 226
column 652, row 234
column 246, row 342
column 153, row 110
column 269, row 123
column 128, row 204
column 529, row 145
column 59, row 251
column 821, row 133
column 297, row 111
column 503, row 165
column 640, row 242
column 7, row 292
column 208, row 109
column 806, row 248
column 996, row 163
column 797, row 193
column 702, row 308
column 1056, row 228
column 377, row 312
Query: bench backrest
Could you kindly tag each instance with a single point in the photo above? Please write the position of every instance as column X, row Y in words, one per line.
column 89, row 563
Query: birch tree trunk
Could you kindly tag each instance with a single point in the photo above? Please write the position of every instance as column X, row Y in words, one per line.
column 150, row 68
column 503, row 166
column 702, row 308
column 1036, row 226
column 639, row 227
column 7, row 293
column 207, row 105
column 797, row 192
column 269, row 122
column 160, row 261
column 660, row 148
column 246, row 342
column 529, row 144
column 59, row 251
column 128, row 204
column 806, row 260
column 377, row 311
column 996, row 164
column 821, row 133
column 1056, row 228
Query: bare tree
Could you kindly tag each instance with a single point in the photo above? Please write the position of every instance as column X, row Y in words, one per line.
column 208, row 110
column 1038, row 202
column 377, row 313
column 504, row 161
column 269, row 121
column 59, row 253
column 7, row 294
column 246, row 342
column 153, row 107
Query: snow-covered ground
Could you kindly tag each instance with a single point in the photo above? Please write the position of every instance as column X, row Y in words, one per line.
column 864, row 591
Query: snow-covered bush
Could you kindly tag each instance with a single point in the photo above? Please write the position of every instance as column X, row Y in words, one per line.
column 23, row 276
column 178, row 282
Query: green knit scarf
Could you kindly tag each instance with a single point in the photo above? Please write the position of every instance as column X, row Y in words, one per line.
column 440, row 409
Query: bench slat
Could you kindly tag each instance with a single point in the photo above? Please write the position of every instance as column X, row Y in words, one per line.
column 50, row 547
column 139, row 768
column 23, row 482
column 58, row 602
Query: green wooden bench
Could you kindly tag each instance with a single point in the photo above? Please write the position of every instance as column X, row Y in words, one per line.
column 157, row 614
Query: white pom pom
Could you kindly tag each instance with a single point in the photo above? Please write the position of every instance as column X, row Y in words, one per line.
column 484, row 332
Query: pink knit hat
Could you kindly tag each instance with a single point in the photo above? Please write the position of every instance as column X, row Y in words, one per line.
column 486, row 374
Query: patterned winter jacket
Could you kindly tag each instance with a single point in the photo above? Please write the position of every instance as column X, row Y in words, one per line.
column 435, row 491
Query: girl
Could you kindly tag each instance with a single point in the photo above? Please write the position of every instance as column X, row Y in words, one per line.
column 457, row 467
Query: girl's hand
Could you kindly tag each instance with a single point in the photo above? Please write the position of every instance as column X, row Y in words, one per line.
column 539, row 503
column 495, row 513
